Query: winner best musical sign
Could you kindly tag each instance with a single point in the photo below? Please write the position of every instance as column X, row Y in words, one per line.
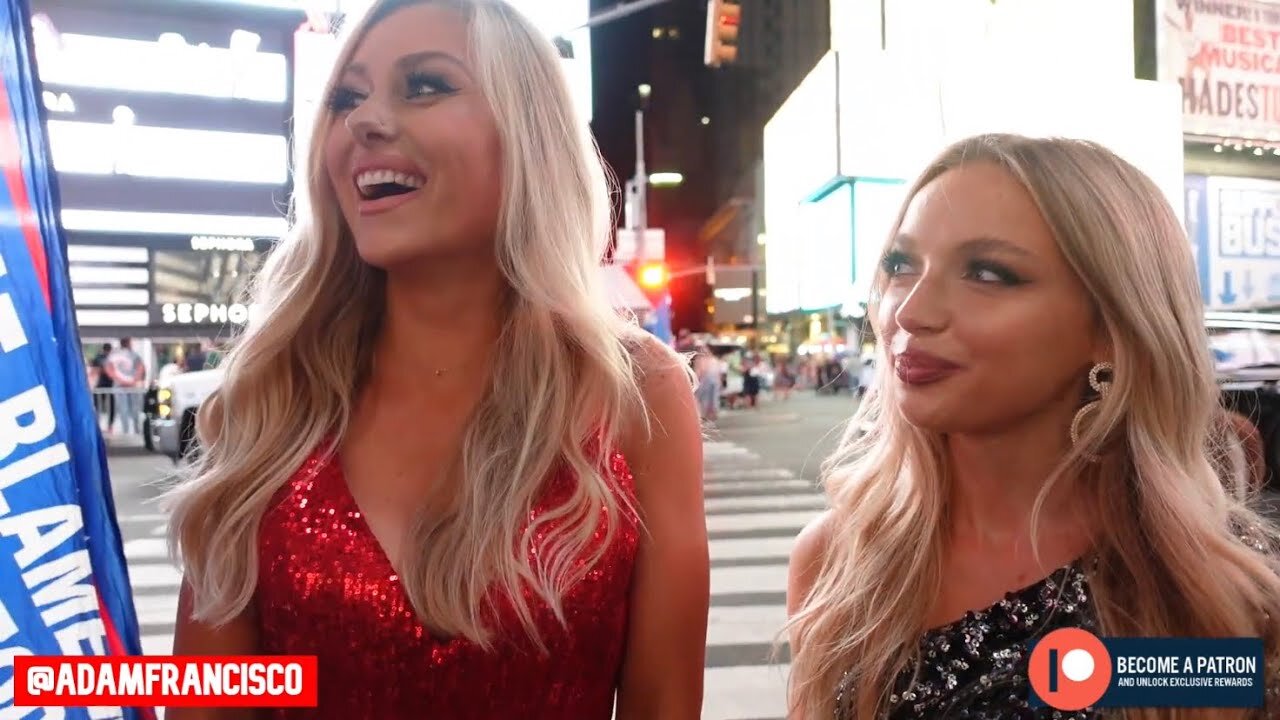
column 1226, row 56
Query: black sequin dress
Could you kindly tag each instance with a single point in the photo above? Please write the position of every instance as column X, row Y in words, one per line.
column 976, row 668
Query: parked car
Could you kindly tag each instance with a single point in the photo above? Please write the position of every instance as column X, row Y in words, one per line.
column 150, row 411
column 172, row 430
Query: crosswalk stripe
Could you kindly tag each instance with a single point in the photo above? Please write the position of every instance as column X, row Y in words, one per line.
column 733, row 549
column 722, row 449
column 754, row 513
column 739, row 579
column 147, row 549
column 152, row 575
column 757, row 488
column 722, row 446
column 758, row 624
column 154, row 607
column 736, row 693
column 159, row 617
column 791, row 521
column 157, row 644
column 722, row 473
column 770, row 503
column 152, row 518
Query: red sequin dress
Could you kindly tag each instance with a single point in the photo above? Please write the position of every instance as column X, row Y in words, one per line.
column 326, row 588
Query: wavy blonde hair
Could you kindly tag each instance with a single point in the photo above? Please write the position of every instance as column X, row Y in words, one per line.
column 1169, row 491
column 565, row 356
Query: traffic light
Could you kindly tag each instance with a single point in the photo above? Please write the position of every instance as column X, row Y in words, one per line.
column 652, row 278
column 723, row 17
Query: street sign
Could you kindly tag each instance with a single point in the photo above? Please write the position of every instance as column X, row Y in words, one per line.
column 1234, row 228
column 624, row 293
column 655, row 243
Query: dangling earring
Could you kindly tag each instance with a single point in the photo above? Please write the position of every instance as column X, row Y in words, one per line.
column 1099, row 386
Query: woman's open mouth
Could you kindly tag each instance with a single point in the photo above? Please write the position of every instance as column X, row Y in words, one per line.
column 381, row 190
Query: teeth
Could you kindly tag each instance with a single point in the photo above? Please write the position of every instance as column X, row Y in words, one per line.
column 369, row 178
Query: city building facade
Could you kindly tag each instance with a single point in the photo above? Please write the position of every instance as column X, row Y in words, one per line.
column 779, row 44
column 169, row 134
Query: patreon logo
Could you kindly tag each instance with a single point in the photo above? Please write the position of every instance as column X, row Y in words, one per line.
column 1069, row 669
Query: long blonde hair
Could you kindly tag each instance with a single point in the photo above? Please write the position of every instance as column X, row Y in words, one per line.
column 1168, row 493
column 566, row 359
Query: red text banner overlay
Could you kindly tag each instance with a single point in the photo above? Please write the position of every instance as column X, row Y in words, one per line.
column 169, row 681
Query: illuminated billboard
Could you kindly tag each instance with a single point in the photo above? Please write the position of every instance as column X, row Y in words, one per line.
column 801, row 155
column 838, row 135
column 162, row 123
column 556, row 19
column 876, row 204
column 825, row 249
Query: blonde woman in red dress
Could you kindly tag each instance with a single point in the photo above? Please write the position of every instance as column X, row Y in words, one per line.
column 440, row 462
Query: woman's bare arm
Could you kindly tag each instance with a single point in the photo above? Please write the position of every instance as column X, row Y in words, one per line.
column 191, row 637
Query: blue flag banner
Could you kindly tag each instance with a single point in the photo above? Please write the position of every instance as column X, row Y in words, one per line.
column 64, row 586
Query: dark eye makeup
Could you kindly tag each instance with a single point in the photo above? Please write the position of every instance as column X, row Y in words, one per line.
column 896, row 263
column 417, row 85
column 343, row 99
column 986, row 271
column 424, row 84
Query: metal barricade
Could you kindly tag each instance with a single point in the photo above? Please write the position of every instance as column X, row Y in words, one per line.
column 121, row 411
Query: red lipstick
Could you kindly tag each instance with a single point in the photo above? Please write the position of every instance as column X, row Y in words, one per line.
column 916, row 367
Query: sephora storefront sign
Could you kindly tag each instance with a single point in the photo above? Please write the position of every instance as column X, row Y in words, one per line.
column 163, row 286
column 203, row 313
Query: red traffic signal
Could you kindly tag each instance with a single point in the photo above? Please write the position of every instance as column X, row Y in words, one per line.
column 652, row 277
column 723, row 19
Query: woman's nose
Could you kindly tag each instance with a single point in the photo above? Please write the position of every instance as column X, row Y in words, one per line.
column 924, row 307
column 370, row 124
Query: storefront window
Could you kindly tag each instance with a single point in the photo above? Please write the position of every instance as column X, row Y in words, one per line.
column 168, row 65
column 124, row 149
column 203, row 287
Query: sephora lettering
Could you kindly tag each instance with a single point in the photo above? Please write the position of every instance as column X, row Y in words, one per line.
column 206, row 313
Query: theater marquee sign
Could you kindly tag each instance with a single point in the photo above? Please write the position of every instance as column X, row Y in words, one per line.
column 1226, row 56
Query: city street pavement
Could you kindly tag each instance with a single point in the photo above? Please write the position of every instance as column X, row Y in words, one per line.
column 137, row 478
column 760, row 470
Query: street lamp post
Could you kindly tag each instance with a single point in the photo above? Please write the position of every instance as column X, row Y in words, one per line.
column 640, row 182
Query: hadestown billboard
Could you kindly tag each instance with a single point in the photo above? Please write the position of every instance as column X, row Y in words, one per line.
column 1225, row 55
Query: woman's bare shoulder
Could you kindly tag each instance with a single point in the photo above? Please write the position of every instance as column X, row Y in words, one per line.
column 807, row 556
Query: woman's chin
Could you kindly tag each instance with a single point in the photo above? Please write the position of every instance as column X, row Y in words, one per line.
column 390, row 252
column 387, row 253
column 929, row 416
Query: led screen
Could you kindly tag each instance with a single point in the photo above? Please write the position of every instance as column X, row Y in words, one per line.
column 827, row 250
column 875, row 207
